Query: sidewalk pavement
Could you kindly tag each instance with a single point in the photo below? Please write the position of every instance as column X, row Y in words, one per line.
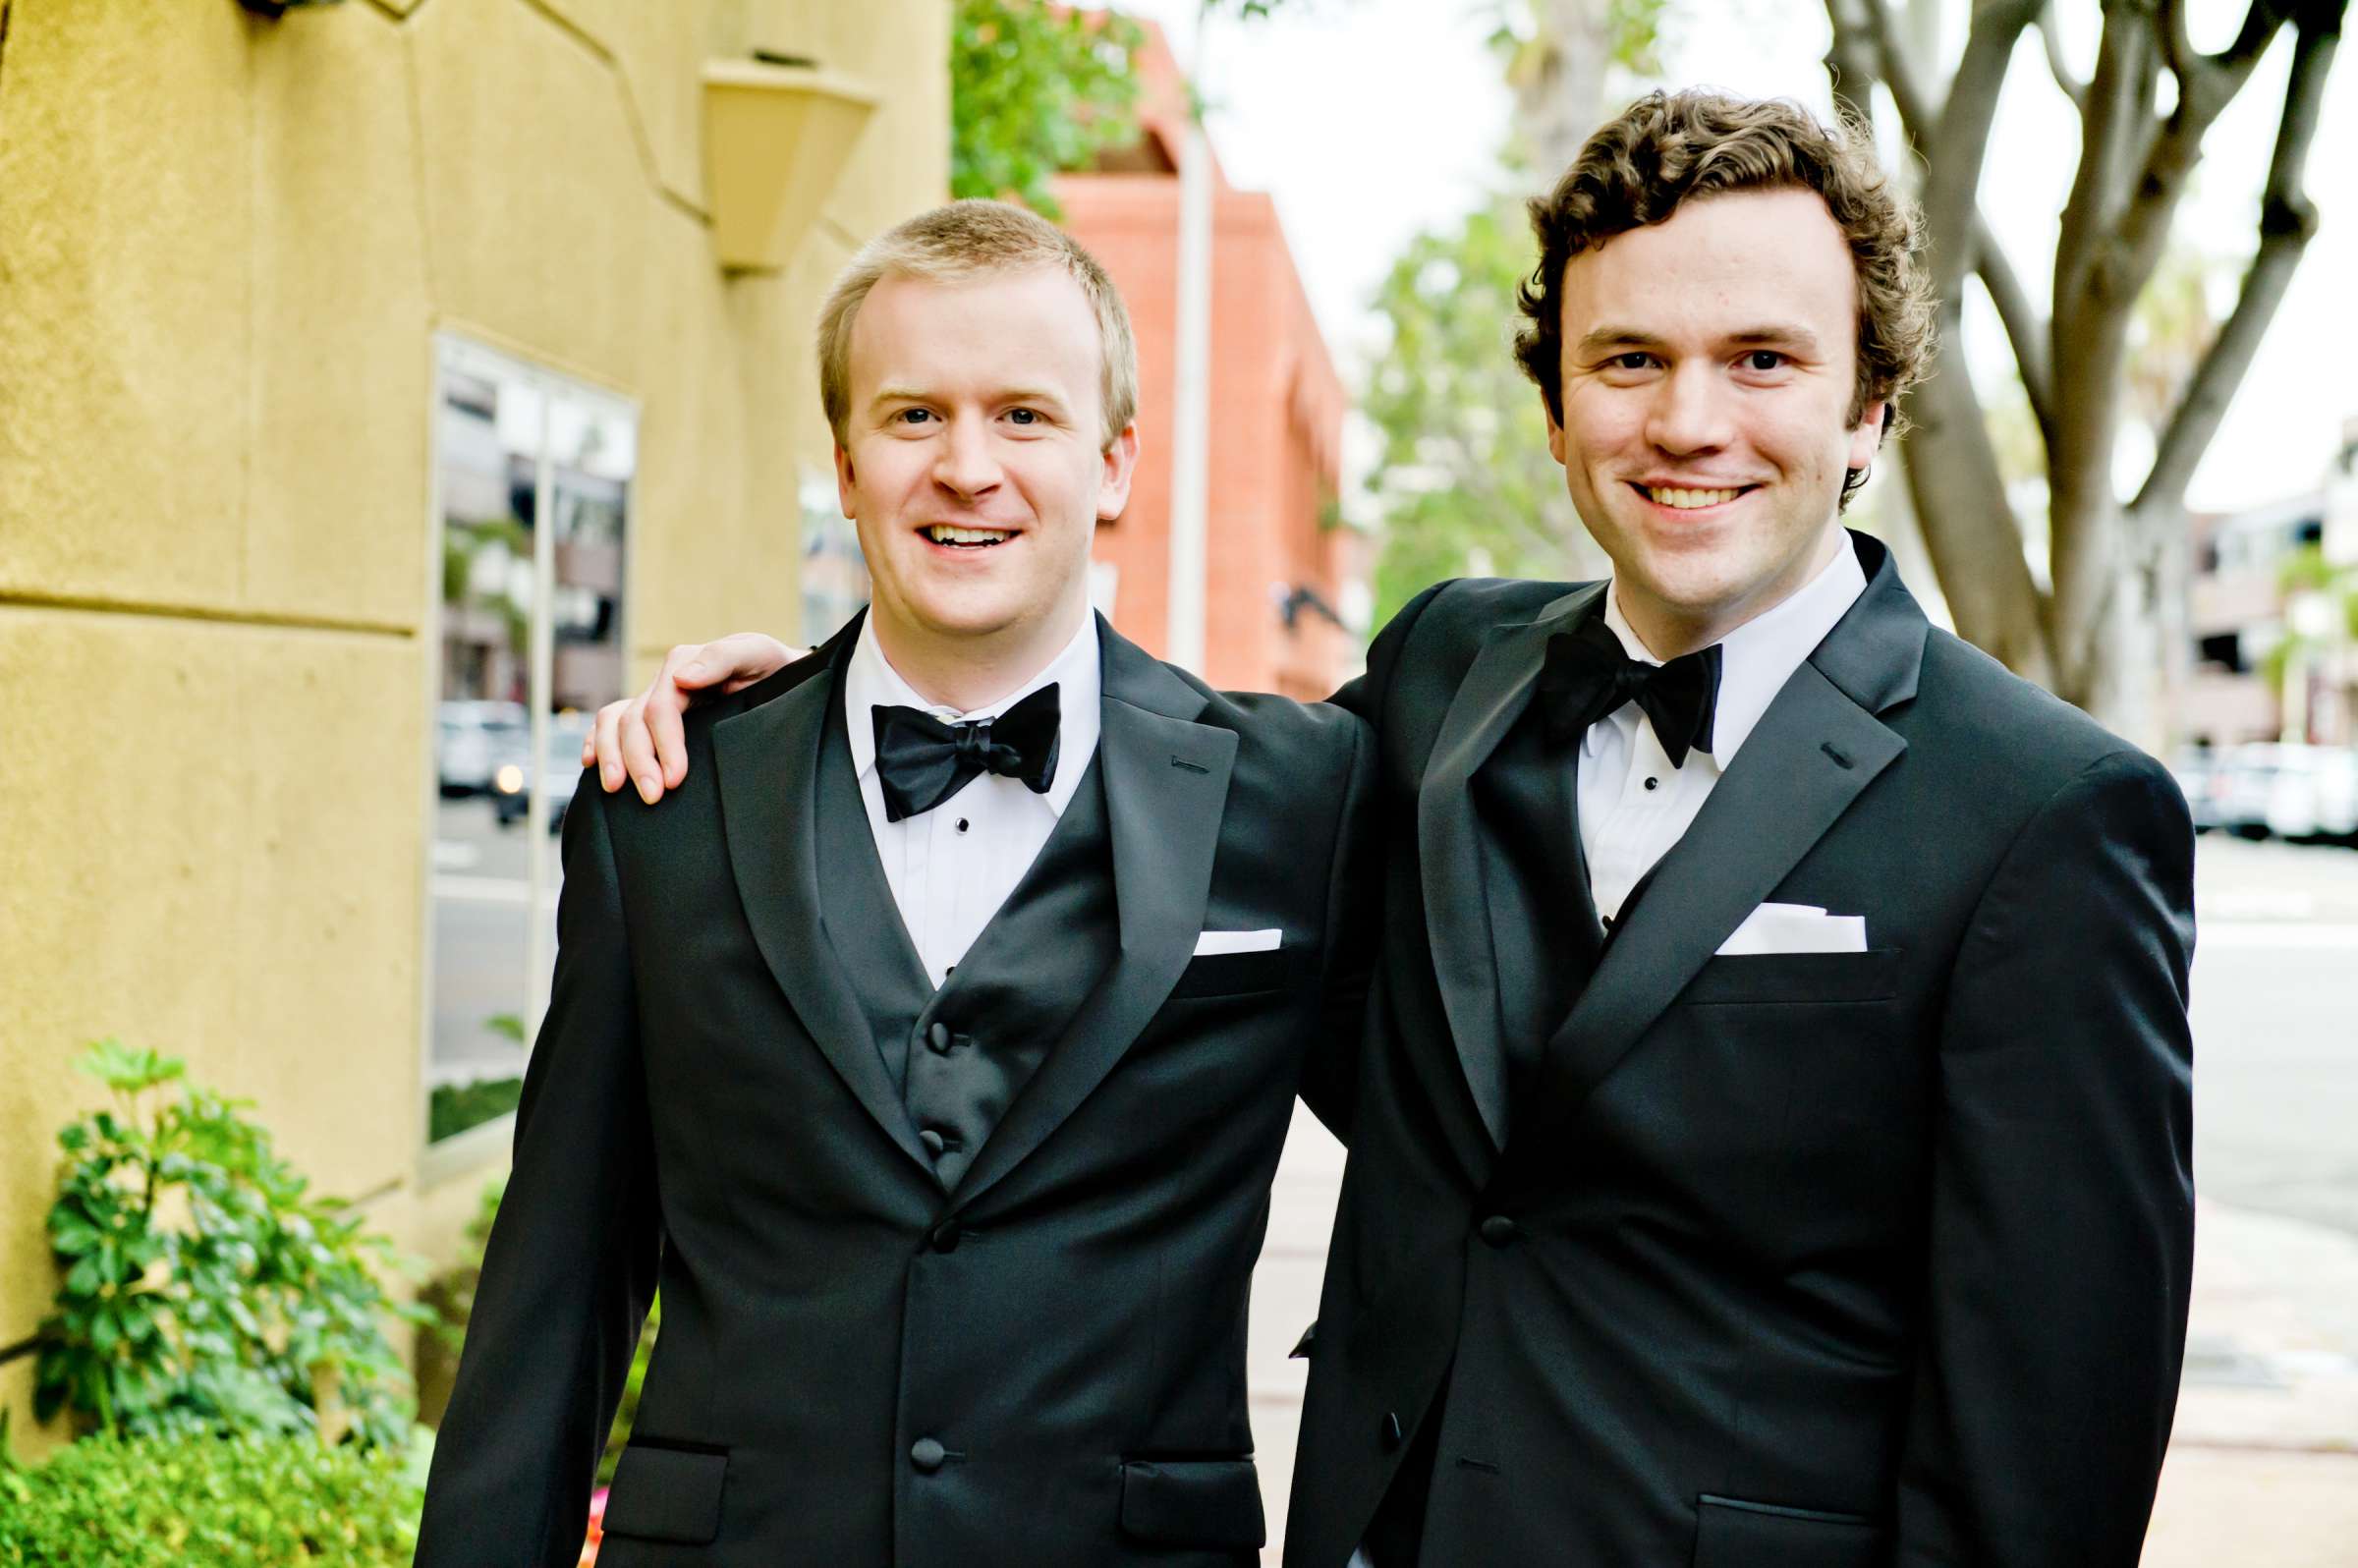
column 2263, row 1468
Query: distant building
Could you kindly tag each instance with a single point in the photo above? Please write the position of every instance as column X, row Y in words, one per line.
column 1284, row 573
column 2275, row 654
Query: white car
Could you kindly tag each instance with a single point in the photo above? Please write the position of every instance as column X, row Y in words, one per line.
column 2313, row 793
column 472, row 737
column 512, row 783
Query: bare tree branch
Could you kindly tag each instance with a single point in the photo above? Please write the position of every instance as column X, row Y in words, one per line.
column 2288, row 219
column 1958, row 146
column 2177, row 44
column 2076, row 92
column 2107, row 122
column 2026, row 331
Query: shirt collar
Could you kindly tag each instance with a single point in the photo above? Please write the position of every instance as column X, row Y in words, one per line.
column 1759, row 656
column 869, row 681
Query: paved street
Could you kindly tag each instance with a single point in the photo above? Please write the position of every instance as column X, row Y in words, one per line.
column 481, row 892
column 2263, row 1471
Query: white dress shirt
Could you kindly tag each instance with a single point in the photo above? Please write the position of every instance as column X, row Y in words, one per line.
column 1632, row 804
column 951, row 868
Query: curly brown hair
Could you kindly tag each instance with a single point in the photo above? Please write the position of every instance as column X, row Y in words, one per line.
column 1669, row 147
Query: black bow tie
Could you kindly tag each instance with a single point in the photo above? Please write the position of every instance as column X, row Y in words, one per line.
column 923, row 761
column 1587, row 677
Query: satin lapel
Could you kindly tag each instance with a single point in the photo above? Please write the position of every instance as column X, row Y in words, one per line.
column 767, row 761
column 1166, row 786
column 1813, row 753
column 1489, row 700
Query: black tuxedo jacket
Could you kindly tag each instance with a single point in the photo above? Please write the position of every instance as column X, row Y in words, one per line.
column 1821, row 1261
column 1044, row 1363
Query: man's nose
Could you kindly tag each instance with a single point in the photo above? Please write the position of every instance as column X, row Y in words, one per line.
column 1691, row 412
column 964, row 462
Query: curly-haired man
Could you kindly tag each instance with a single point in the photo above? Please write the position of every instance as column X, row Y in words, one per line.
column 1773, row 1144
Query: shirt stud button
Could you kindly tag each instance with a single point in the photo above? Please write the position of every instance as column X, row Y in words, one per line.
column 962, row 824
column 1654, row 783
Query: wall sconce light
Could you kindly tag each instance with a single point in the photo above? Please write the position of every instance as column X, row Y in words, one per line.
column 777, row 139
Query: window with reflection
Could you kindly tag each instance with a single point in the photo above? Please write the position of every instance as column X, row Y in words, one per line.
column 532, row 477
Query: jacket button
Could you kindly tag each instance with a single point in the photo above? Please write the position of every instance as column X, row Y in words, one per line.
column 934, row 1143
column 944, row 1237
column 1499, row 1231
column 927, row 1455
column 939, row 1037
column 1391, row 1430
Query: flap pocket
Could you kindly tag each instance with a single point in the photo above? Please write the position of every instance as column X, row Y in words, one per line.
column 1731, row 1532
column 1236, row 973
column 1209, row 1503
column 663, row 1493
column 1869, row 977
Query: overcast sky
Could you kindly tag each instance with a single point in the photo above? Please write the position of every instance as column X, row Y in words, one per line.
column 1368, row 120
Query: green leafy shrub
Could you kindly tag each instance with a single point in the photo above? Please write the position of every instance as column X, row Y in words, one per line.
column 173, row 1502
column 455, row 1108
column 205, row 1290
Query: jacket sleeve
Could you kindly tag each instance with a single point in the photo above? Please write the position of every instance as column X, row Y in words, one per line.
column 1354, row 929
column 571, row 1266
column 2061, row 1229
column 1355, row 890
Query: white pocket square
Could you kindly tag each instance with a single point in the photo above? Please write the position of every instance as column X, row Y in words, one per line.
column 1795, row 929
column 1237, row 943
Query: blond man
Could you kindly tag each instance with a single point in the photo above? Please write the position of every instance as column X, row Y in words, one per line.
column 932, row 1046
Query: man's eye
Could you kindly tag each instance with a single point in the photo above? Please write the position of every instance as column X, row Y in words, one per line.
column 913, row 416
column 1765, row 359
column 1632, row 361
column 1024, row 416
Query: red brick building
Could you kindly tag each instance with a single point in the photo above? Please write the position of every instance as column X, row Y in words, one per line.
column 1279, row 561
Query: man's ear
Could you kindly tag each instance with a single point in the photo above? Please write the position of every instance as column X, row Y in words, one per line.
column 1555, row 433
column 843, row 482
column 1868, row 437
column 1113, row 478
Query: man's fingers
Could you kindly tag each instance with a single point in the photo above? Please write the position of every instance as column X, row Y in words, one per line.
column 605, row 742
column 741, row 658
column 637, row 751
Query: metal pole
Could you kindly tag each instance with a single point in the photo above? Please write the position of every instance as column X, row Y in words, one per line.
column 1191, row 409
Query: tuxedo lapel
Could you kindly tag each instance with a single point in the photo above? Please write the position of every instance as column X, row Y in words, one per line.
column 1493, row 696
column 1166, row 785
column 1819, row 745
column 767, row 760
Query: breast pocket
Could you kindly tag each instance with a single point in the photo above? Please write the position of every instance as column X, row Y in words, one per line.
column 1758, row 979
column 1239, row 974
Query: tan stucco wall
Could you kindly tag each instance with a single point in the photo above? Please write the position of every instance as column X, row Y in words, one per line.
column 225, row 248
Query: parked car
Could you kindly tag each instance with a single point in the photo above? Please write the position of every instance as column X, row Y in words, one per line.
column 2314, row 794
column 512, row 783
column 2199, row 778
column 2247, row 779
column 472, row 738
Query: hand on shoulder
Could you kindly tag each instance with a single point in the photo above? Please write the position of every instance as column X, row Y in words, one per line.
column 641, row 737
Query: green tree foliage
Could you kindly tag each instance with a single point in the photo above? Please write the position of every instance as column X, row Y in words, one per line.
column 1038, row 89
column 1463, row 481
column 1035, row 91
column 204, row 1289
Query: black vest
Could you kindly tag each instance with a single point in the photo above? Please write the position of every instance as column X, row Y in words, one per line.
column 963, row 1053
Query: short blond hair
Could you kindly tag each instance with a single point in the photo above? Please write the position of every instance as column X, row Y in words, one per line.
column 967, row 240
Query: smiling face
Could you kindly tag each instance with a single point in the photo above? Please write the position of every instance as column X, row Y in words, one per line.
column 1708, row 375
column 973, row 462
